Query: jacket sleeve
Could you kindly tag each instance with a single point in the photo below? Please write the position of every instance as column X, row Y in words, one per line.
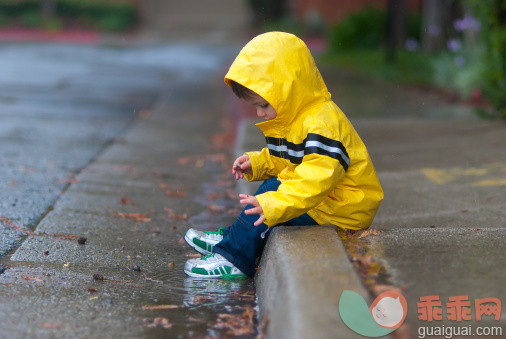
column 324, row 164
column 263, row 165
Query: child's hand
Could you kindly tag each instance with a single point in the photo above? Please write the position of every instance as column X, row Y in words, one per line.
column 241, row 165
column 247, row 199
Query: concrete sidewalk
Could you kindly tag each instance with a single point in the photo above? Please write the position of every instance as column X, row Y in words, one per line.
column 441, row 228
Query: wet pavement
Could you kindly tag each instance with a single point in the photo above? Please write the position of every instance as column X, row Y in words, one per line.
column 59, row 106
column 131, row 144
column 440, row 230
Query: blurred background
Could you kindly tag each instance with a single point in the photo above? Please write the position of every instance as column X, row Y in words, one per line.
column 457, row 47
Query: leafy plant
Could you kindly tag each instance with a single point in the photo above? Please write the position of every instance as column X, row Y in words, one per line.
column 362, row 29
column 32, row 18
column 492, row 16
column 106, row 15
column 4, row 20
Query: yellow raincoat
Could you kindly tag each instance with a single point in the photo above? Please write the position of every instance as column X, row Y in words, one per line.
column 312, row 148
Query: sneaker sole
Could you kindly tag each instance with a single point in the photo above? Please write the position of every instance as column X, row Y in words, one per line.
column 234, row 276
column 195, row 247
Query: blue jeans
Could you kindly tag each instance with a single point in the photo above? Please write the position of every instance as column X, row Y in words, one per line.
column 242, row 242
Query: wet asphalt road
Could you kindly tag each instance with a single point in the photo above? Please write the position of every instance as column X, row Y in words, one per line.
column 60, row 105
column 90, row 133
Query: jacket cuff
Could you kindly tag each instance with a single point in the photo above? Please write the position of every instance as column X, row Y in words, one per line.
column 254, row 166
column 270, row 220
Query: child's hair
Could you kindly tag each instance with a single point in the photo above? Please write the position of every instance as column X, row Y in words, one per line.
column 240, row 91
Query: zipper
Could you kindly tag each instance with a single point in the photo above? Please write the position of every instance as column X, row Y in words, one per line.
column 262, row 235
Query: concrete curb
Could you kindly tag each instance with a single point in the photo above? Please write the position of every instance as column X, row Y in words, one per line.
column 302, row 273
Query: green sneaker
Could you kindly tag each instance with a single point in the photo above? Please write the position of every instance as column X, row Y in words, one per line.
column 213, row 265
column 203, row 242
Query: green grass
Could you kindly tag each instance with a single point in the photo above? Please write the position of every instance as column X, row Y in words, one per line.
column 409, row 67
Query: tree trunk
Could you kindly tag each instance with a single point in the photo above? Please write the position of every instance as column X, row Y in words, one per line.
column 48, row 8
column 437, row 14
column 396, row 28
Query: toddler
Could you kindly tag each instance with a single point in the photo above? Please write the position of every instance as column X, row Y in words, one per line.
column 316, row 169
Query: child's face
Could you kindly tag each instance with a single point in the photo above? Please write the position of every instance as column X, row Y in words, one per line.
column 264, row 109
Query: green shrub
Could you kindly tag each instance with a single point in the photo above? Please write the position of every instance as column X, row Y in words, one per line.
column 32, row 18
column 362, row 29
column 4, row 20
column 114, row 22
column 52, row 24
column 106, row 15
column 459, row 71
column 12, row 8
column 493, row 33
column 414, row 26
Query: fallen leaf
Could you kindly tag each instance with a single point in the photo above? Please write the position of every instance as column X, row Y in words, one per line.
column 234, row 211
column 27, row 170
column 14, row 183
column 221, row 140
column 144, row 114
column 99, row 277
column 174, row 215
column 243, row 296
column 146, row 278
column 366, row 233
column 92, row 290
column 216, row 208
column 237, row 324
column 159, row 321
column 194, row 255
column 53, row 326
column 201, row 298
column 31, row 278
column 231, row 194
column 160, row 307
column 195, row 320
column 214, row 196
column 374, row 269
column 171, row 264
column 126, row 201
column 134, row 216
column 199, row 160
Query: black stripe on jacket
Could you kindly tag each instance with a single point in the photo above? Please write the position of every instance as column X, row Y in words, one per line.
column 313, row 143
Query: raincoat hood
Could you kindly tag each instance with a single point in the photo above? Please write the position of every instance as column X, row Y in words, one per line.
column 279, row 67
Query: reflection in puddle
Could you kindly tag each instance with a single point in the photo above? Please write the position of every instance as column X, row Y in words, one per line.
column 209, row 307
